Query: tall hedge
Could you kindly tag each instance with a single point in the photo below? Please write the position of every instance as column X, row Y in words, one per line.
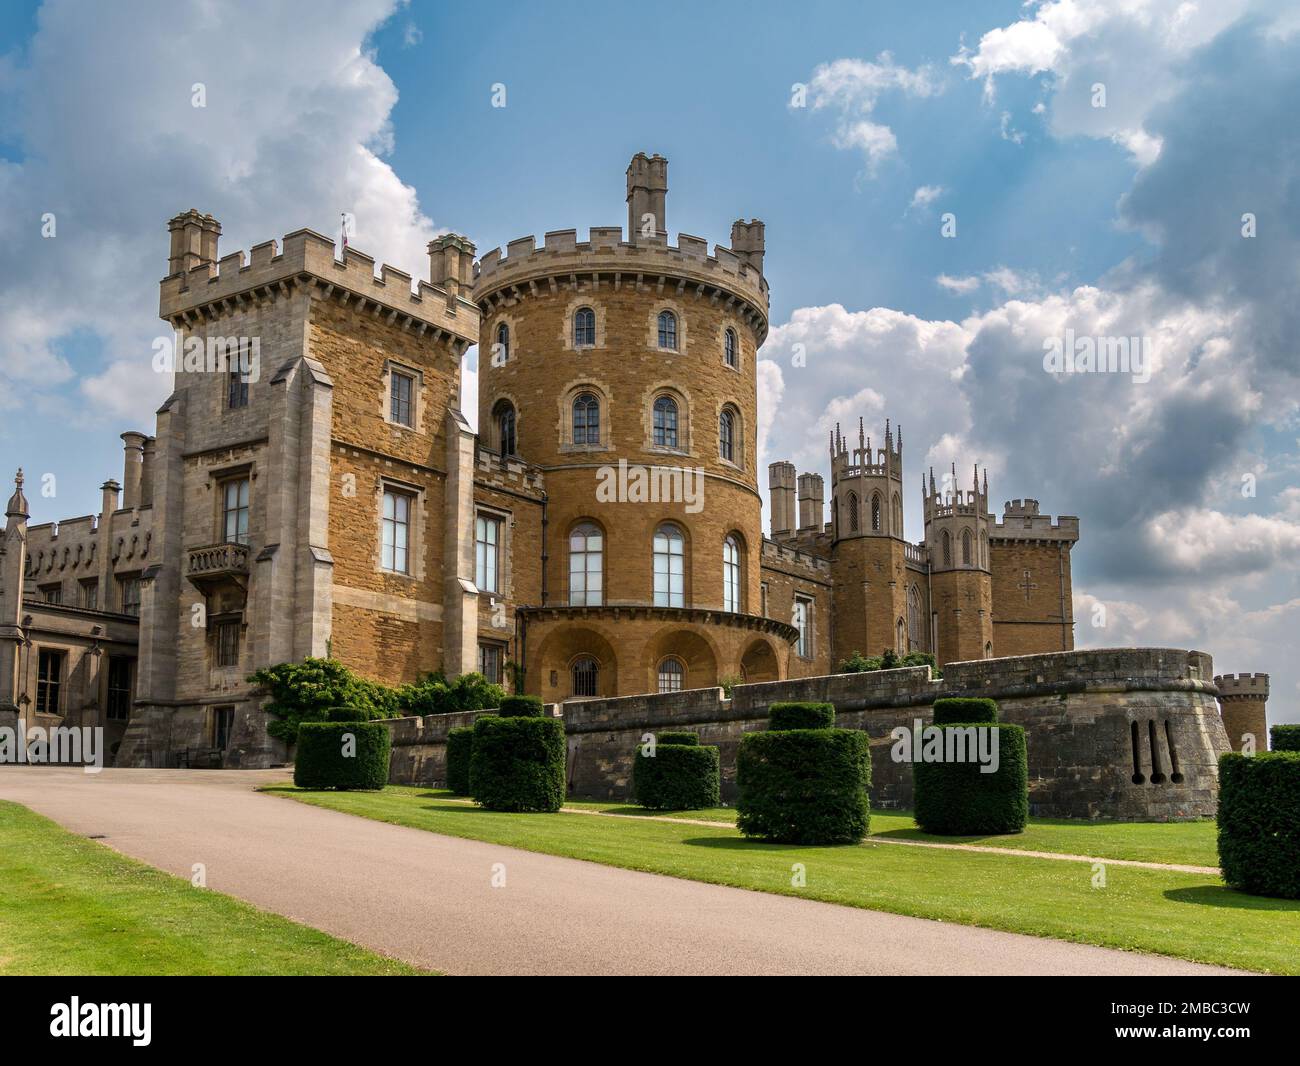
column 460, row 746
column 956, row 799
column 781, row 716
column 1285, row 737
column 964, row 710
column 522, row 707
column 804, row 786
column 680, row 775
column 1259, row 822
column 517, row 763
column 342, row 755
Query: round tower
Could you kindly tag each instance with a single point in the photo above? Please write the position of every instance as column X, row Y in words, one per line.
column 961, row 591
column 625, row 370
column 1243, row 703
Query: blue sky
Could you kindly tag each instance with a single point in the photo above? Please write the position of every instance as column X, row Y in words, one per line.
column 1122, row 220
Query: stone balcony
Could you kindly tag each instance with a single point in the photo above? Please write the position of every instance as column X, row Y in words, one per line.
column 213, row 566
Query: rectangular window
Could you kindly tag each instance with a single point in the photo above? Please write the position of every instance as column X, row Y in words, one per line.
column 489, row 662
column 237, row 389
column 401, row 391
column 49, row 681
column 90, row 595
column 487, row 553
column 223, row 721
column 129, row 594
column 234, row 511
column 803, row 623
column 52, row 593
column 397, row 532
column 227, row 643
column 119, row 688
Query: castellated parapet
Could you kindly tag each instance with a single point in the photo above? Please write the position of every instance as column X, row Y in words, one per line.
column 203, row 284
column 1021, row 521
column 1243, row 701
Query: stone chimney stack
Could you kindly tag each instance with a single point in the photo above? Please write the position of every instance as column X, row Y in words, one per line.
column 193, row 241
column 108, row 502
column 146, row 471
column 780, row 480
column 647, row 194
column 1243, row 702
column 132, row 467
column 747, row 242
column 812, row 502
column 451, row 265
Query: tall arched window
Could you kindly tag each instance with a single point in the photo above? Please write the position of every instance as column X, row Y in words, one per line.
column 854, row 518
column 913, row 619
column 669, row 567
column 586, row 419
column 668, row 330
column 727, row 435
column 966, row 556
column 665, row 422
column 505, row 427
column 586, row 566
column 900, row 637
column 586, row 676
column 671, row 675
column 875, row 512
column 731, row 574
column 897, row 515
column 984, row 549
column 947, row 549
column 729, row 347
column 584, row 328
column 502, row 352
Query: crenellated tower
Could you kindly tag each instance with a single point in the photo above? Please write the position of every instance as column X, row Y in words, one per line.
column 957, row 543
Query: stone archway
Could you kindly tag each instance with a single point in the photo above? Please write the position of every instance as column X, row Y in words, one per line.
column 560, row 651
column 691, row 649
column 759, row 663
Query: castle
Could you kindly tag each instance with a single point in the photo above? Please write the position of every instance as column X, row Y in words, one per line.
column 312, row 488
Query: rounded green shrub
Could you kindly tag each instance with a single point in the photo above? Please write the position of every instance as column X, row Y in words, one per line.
column 804, row 786
column 783, row 716
column 522, row 707
column 460, row 746
column 964, row 711
column 1259, row 822
column 517, row 763
column 677, row 737
column 678, row 777
column 342, row 755
column 351, row 713
column 1284, row 737
column 957, row 799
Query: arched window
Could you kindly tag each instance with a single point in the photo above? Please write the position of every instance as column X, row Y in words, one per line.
column 984, row 549
column 965, row 547
column 729, row 347
column 875, row 512
column 731, row 574
column 586, row 419
column 900, row 637
column 853, row 512
column 671, row 675
column 665, row 422
column 668, row 330
column 586, row 676
column 897, row 516
column 502, row 352
column 669, row 567
column 947, row 549
column 988, row 651
column 586, row 566
column 584, row 328
column 727, row 435
column 913, row 619
column 505, row 427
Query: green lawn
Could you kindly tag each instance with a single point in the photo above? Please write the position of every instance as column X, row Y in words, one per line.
column 71, row 906
column 1187, row 843
column 1191, row 916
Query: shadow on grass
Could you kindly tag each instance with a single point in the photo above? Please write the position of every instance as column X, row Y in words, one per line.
column 1223, row 896
column 756, row 844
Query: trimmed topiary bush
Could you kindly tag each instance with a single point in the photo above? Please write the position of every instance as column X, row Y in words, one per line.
column 964, row 711
column 804, row 786
column 783, row 716
column 345, row 714
column 522, row 707
column 678, row 777
column 342, row 755
column 517, row 763
column 956, row 799
column 1259, row 822
column 460, row 746
column 1284, row 737
column 674, row 737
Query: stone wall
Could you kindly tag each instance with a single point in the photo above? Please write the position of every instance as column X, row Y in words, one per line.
column 1129, row 733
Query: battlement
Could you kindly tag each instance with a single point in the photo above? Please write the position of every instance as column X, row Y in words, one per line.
column 1020, row 508
column 775, row 554
column 507, row 471
column 305, row 256
column 1242, row 686
column 606, row 254
column 1010, row 526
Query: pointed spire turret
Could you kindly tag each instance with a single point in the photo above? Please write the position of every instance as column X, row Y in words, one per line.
column 17, row 506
